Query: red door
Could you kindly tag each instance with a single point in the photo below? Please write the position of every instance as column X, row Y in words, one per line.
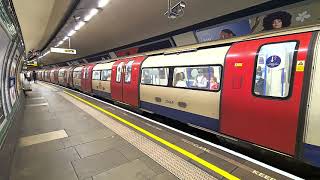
column 125, row 80
column 86, row 75
column 262, row 91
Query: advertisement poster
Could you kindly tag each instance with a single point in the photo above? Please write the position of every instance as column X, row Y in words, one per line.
column 226, row 31
column 4, row 41
column 12, row 79
column 292, row 16
column 296, row 15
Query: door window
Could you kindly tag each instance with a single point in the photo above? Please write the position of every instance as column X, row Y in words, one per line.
column 127, row 77
column 119, row 72
column 273, row 71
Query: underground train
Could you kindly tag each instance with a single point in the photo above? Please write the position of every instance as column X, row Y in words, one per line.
column 259, row 89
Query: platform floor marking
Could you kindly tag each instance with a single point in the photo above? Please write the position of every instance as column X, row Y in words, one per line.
column 256, row 162
column 41, row 138
column 39, row 104
column 36, row 98
column 161, row 161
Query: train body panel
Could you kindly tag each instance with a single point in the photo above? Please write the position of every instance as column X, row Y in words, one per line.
column 69, row 78
column 76, row 75
column 200, row 108
column 125, row 80
column 101, row 80
column 186, row 89
column 312, row 133
column 262, row 91
column 61, row 76
column 86, row 78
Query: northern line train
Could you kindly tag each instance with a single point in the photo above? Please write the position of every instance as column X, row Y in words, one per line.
column 259, row 90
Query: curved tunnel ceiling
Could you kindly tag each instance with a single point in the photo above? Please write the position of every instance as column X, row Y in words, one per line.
column 38, row 19
column 124, row 22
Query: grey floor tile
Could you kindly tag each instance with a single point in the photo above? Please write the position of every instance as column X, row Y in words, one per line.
column 93, row 165
column 157, row 168
column 130, row 152
column 165, row 176
column 134, row 170
column 64, row 171
column 45, row 147
column 88, row 136
column 32, row 160
column 35, row 101
column 99, row 146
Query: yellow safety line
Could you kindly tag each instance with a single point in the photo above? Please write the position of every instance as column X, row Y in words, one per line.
column 159, row 139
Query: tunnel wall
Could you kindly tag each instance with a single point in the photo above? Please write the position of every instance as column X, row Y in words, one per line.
column 11, row 94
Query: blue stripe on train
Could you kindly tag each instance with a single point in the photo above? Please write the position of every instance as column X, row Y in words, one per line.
column 312, row 154
column 102, row 94
column 185, row 117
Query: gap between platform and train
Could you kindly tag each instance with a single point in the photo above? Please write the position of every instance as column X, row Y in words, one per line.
column 55, row 87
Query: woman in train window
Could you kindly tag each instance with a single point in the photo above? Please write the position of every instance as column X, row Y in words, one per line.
column 179, row 80
column 214, row 85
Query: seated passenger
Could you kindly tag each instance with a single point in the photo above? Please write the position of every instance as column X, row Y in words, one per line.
column 179, row 80
column 201, row 81
column 214, row 85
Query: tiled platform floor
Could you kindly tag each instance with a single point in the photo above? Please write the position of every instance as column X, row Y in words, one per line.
column 91, row 151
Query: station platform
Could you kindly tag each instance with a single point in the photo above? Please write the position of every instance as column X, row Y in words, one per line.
column 67, row 135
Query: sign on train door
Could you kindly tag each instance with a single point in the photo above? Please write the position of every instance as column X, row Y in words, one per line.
column 125, row 80
column 262, row 91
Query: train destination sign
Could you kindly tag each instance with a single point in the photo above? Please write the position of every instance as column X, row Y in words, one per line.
column 63, row 50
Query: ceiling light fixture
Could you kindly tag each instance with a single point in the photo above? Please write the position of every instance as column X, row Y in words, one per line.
column 72, row 32
column 79, row 25
column 103, row 3
column 65, row 38
column 93, row 12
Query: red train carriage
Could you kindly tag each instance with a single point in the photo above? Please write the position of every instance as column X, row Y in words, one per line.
column 125, row 80
column 86, row 78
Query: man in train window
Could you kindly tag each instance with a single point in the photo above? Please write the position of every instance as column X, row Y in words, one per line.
column 201, row 80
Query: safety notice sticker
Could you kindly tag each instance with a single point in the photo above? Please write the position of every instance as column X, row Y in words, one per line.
column 300, row 66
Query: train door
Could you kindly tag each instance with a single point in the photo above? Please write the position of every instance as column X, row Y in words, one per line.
column 86, row 85
column 125, row 80
column 262, row 90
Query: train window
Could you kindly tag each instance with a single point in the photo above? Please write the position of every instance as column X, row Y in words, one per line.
column 273, row 69
column 96, row 75
column 106, row 75
column 127, row 77
column 199, row 77
column 119, row 72
column 75, row 74
column 155, row 76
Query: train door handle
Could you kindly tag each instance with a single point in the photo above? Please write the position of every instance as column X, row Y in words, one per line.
column 158, row 99
column 182, row 104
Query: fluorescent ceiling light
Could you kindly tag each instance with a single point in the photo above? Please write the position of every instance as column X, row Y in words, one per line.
column 79, row 25
column 65, row 38
column 71, row 33
column 91, row 14
column 103, row 3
